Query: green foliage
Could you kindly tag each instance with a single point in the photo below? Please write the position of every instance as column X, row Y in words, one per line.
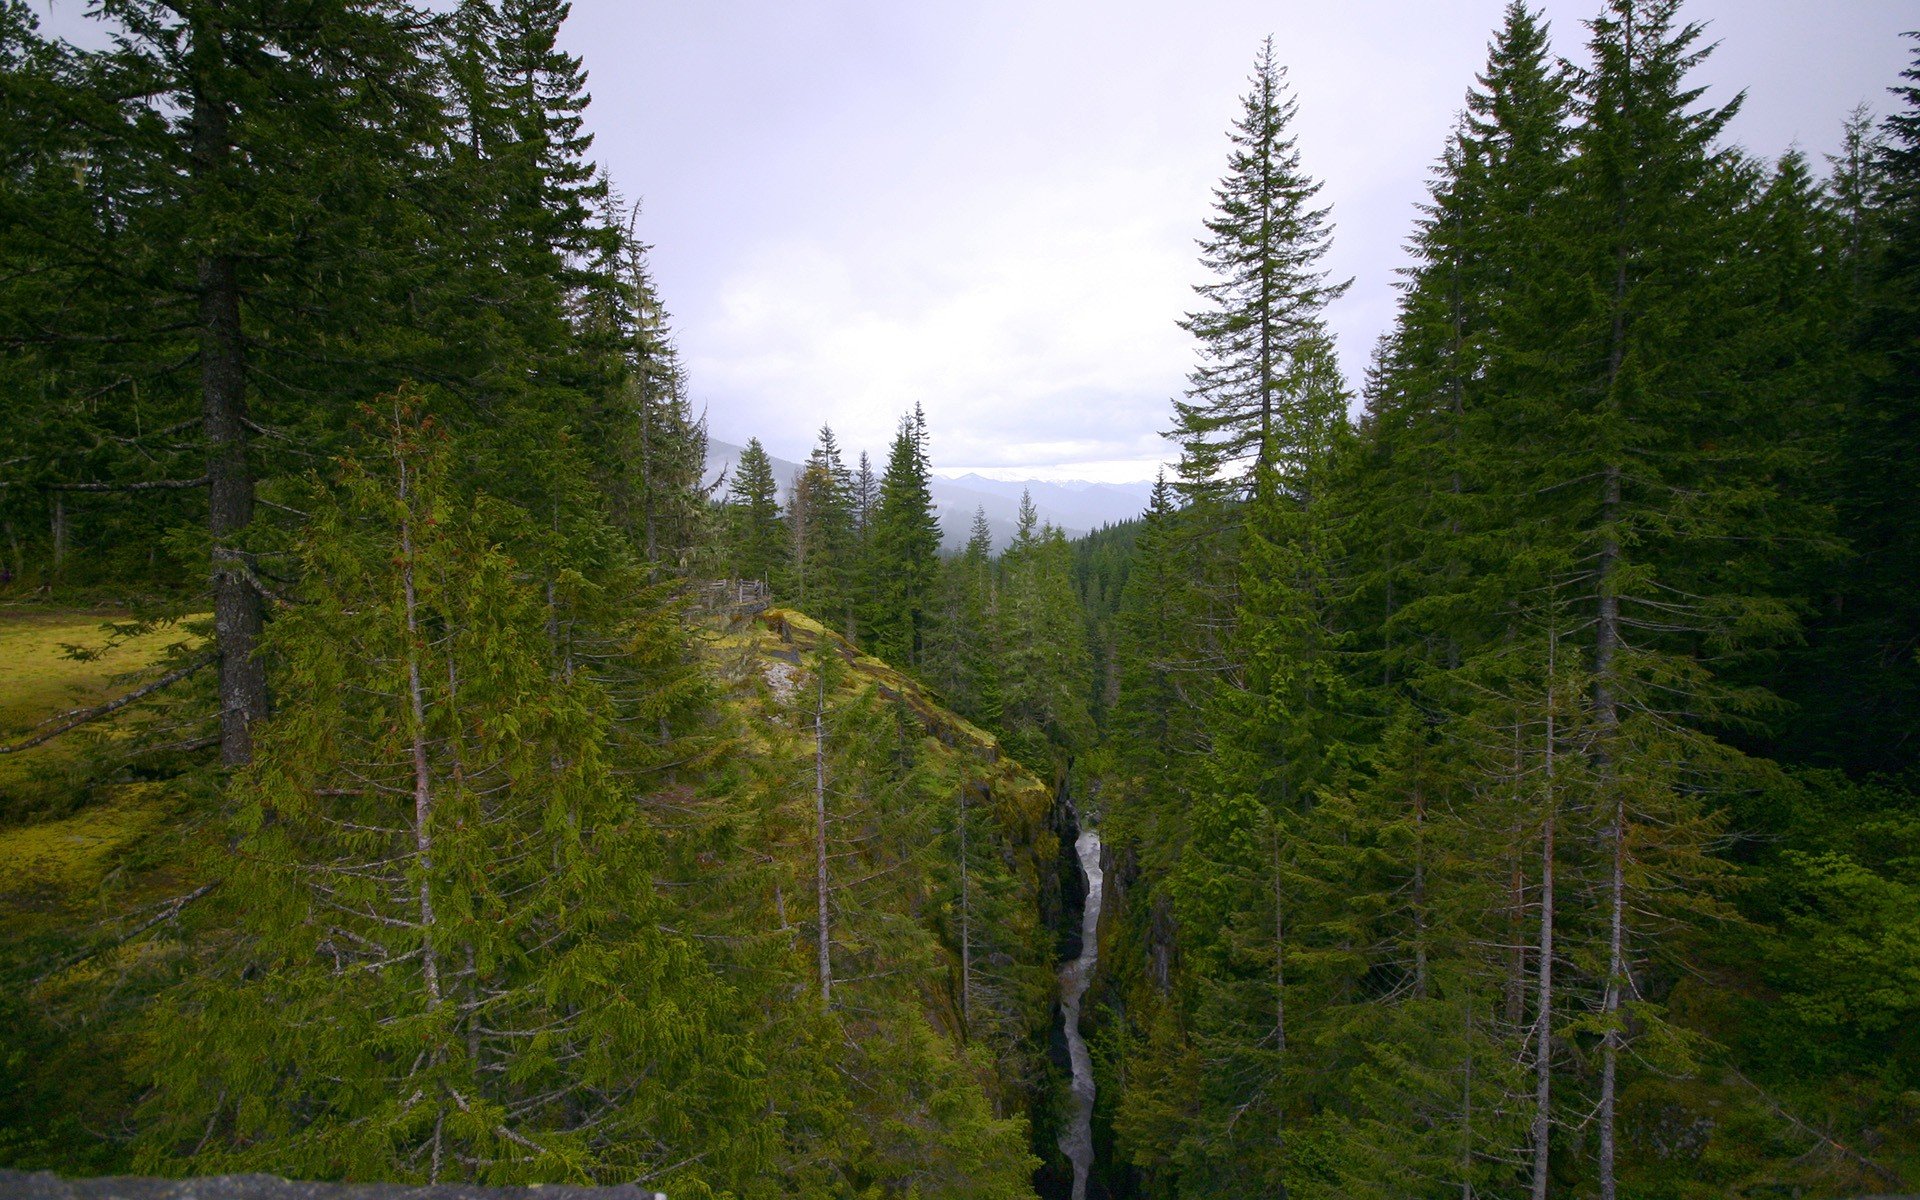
column 757, row 539
column 1258, row 344
column 915, row 1073
column 448, row 958
column 1508, row 793
column 823, row 570
column 962, row 661
column 1483, row 682
column 903, row 549
column 1044, row 661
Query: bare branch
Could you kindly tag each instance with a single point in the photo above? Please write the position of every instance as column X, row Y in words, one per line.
column 54, row 726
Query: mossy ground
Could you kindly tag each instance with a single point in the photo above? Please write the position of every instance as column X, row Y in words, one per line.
column 91, row 855
column 742, row 650
column 42, row 676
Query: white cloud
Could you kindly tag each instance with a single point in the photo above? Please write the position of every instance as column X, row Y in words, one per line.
column 1014, row 316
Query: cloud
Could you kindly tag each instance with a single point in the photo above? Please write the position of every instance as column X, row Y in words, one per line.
column 1013, row 315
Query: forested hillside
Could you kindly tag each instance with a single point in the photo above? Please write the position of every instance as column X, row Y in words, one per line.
column 1500, row 771
column 1511, row 792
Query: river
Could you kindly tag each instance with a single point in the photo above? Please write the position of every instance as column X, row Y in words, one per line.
column 1076, row 1141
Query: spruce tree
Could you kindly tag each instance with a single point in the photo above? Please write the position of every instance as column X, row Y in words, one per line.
column 757, row 541
column 438, row 879
column 905, row 547
column 962, row 655
column 1447, row 583
column 821, row 527
column 1871, row 626
column 1264, row 246
column 1047, row 671
column 255, row 163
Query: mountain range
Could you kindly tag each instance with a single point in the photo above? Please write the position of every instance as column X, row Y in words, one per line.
column 1075, row 507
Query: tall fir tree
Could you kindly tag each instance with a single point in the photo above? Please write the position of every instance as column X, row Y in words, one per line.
column 1264, row 246
column 421, row 992
column 961, row 660
column 756, row 537
column 821, row 528
column 904, row 548
column 1046, row 668
column 238, row 196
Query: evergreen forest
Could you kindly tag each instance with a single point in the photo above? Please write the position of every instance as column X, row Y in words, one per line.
column 1494, row 777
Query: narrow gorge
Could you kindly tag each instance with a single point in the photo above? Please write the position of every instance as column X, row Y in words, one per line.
column 1076, row 1140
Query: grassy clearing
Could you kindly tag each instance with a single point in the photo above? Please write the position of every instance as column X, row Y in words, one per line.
column 40, row 678
column 69, row 830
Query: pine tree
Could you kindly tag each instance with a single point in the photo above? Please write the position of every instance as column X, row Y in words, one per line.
column 961, row 659
column 1448, row 586
column 1872, row 627
column 1047, row 672
column 255, row 159
column 422, row 992
column 1155, row 726
column 821, row 528
column 905, row 548
column 758, row 542
column 1264, row 248
column 1273, row 881
column 649, row 446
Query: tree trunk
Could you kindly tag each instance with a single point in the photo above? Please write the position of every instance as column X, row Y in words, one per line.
column 1606, row 711
column 966, row 923
column 1279, row 1011
column 1419, row 894
column 59, row 534
column 1543, row 1012
column 820, row 839
column 1466, row 1110
column 422, row 780
column 237, row 611
column 1606, row 645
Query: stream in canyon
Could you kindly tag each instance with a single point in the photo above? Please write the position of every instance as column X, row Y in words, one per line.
column 1076, row 1141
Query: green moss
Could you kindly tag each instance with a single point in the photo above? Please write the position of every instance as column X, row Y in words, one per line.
column 76, row 888
column 74, row 852
column 40, row 678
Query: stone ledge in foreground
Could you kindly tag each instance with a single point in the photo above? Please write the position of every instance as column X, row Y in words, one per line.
column 44, row 1185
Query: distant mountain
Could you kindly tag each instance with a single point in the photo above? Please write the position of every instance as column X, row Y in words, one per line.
column 1075, row 507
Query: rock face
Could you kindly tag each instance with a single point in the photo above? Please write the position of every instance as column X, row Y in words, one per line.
column 21, row 1185
column 1076, row 1141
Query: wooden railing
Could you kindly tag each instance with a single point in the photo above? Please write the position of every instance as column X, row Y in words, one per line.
column 732, row 597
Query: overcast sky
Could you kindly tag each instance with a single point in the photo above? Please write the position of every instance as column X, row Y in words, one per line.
column 990, row 206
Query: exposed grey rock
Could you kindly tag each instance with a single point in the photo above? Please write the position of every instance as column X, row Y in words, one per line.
column 44, row 1185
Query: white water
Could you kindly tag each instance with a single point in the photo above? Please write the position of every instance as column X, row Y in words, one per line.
column 1076, row 1142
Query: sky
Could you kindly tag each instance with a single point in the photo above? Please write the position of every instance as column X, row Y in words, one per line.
column 989, row 207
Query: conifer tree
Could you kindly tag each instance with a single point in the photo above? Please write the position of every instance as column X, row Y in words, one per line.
column 255, row 161
column 1155, row 725
column 961, row 659
column 421, row 991
column 866, row 495
column 1264, row 246
column 757, row 541
column 1448, row 585
column 1871, row 628
column 821, row 528
column 905, row 548
column 653, row 452
column 1045, row 664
